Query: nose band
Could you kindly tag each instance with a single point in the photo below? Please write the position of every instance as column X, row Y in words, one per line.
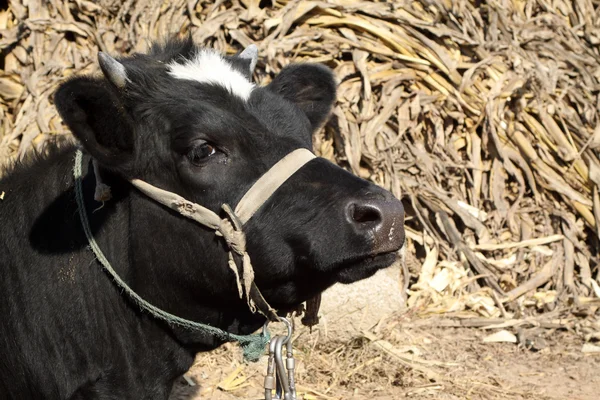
column 267, row 184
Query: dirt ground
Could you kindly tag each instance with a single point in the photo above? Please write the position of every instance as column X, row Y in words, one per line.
column 414, row 363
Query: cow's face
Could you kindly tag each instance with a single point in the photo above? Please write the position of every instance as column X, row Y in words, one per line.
column 191, row 121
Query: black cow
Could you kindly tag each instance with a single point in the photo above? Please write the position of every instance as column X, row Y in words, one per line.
column 190, row 121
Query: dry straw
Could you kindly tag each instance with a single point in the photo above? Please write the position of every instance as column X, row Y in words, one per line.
column 482, row 115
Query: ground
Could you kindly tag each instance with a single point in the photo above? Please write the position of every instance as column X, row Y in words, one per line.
column 413, row 363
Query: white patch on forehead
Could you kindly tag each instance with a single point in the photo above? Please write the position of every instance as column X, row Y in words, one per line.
column 209, row 67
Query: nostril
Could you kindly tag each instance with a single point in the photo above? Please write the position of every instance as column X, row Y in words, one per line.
column 366, row 213
column 377, row 221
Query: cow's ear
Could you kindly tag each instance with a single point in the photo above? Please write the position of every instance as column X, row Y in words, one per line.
column 310, row 86
column 93, row 110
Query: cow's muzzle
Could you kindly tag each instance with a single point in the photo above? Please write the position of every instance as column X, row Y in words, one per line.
column 379, row 220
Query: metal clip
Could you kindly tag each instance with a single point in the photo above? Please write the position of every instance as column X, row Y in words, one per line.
column 280, row 375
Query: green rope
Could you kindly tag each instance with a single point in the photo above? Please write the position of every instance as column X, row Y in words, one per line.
column 253, row 345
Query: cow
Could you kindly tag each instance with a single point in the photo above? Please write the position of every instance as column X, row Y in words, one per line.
column 188, row 120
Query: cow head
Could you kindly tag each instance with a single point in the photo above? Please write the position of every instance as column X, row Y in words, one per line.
column 191, row 121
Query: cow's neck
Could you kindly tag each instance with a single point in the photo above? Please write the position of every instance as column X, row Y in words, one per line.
column 116, row 231
column 181, row 267
column 96, row 318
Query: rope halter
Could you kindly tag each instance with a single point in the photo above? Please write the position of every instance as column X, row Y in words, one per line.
column 230, row 228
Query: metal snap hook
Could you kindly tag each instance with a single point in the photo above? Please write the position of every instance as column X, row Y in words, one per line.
column 280, row 373
column 276, row 377
column 290, row 329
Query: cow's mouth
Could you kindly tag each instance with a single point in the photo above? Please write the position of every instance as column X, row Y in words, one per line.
column 364, row 267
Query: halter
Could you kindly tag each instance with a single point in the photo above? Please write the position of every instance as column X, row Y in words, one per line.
column 230, row 228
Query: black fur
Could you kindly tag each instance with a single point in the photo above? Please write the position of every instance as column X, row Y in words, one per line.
column 67, row 331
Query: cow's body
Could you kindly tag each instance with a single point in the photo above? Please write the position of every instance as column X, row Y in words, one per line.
column 67, row 331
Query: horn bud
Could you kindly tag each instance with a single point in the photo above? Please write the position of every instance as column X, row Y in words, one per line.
column 250, row 53
column 113, row 70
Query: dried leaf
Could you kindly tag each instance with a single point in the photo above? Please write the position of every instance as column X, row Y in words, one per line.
column 502, row 336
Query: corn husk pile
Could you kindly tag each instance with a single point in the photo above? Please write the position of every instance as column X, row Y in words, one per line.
column 482, row 116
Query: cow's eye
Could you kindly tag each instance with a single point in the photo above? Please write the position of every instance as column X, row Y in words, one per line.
column 200, row 153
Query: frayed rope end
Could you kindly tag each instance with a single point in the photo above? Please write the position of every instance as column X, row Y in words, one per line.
column 102, row 192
